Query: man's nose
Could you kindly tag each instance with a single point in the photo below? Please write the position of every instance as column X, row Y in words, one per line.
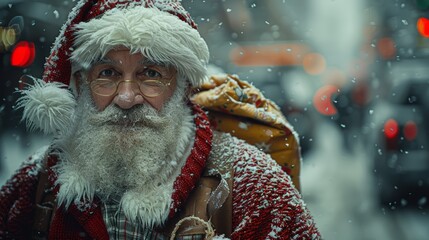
column 128, row 95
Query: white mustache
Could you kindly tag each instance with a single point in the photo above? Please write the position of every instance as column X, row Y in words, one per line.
column 141, row 114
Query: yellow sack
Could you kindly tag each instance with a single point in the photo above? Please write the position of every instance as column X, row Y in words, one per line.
column 239, row 108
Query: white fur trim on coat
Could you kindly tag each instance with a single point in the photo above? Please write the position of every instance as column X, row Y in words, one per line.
column 160, row 36
column 48, row 107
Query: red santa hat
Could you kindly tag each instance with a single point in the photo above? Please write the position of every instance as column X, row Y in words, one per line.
column 160, row 29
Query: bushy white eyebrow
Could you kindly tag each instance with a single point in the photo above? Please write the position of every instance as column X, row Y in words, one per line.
column 145, row 62
column 105, row 60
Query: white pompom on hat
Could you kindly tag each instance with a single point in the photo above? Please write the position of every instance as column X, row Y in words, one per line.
column 162, row 30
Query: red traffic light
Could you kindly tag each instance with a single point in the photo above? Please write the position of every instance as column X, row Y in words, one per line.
column 23, row 54
column 423, row 27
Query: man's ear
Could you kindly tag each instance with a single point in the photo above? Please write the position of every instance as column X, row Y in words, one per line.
column 75, row 82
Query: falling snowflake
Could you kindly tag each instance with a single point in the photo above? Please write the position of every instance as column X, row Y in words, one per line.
column 263, row 146
column 243, row 125
column 56, row 14
column 268, row 132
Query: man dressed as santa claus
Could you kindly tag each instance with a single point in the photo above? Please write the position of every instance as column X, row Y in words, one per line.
column 132, row 157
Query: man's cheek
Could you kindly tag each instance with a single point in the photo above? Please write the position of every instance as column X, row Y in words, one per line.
column 101, row 102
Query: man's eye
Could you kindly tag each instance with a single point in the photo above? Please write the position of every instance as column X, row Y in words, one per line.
column 152, row 74
column 107, row 73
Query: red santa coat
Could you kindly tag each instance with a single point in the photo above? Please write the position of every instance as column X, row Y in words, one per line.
column 265, row 204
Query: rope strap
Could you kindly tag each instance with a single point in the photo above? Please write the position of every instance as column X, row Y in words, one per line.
column 209, row 228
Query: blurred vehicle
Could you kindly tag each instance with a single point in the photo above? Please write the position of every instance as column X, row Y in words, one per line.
column 397, row 122
column 400, row 147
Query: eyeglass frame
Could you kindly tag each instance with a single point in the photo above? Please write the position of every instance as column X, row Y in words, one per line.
column 117, row 83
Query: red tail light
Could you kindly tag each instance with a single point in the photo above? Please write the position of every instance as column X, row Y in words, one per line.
column 410, row 130
column 391, row 128
column 391, row 133
column 323, row 102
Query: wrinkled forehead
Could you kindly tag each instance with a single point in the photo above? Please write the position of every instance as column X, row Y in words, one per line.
column 120, row 57
column 135, row 64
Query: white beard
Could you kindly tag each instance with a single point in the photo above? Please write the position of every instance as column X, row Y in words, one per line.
column 133, row 156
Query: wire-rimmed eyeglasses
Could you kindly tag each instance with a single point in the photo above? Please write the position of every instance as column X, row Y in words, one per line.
column 107, row 87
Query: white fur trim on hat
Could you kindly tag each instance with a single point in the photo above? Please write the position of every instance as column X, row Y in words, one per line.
column 48, row 107
column 158, row 35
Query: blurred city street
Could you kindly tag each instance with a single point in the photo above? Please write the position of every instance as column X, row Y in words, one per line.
column 338, row 187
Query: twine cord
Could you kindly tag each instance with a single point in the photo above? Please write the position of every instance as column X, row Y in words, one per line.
column 209, row 229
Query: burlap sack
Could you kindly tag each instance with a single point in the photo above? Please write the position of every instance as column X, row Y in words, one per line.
column 239, row 108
